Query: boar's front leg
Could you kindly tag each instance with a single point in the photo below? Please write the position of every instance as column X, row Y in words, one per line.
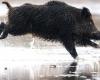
column 88, row 42
column 95, row 36
column 70, row 46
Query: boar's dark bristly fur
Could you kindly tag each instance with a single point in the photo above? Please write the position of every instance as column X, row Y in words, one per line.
column 55, row 21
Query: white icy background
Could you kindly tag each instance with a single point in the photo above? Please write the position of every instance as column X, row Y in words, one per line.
column 21, row 62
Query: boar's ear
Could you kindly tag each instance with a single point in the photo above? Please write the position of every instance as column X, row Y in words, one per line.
column 85, row 12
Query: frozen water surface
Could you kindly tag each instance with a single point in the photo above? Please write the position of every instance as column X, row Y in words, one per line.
column 46, row 62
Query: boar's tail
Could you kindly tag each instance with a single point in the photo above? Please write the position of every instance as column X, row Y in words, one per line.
column 8, row 5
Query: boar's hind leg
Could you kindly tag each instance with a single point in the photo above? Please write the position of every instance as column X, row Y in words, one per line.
column 4, row 34
column 70, row 46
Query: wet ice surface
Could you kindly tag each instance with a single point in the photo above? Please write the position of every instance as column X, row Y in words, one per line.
column 48, row 63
